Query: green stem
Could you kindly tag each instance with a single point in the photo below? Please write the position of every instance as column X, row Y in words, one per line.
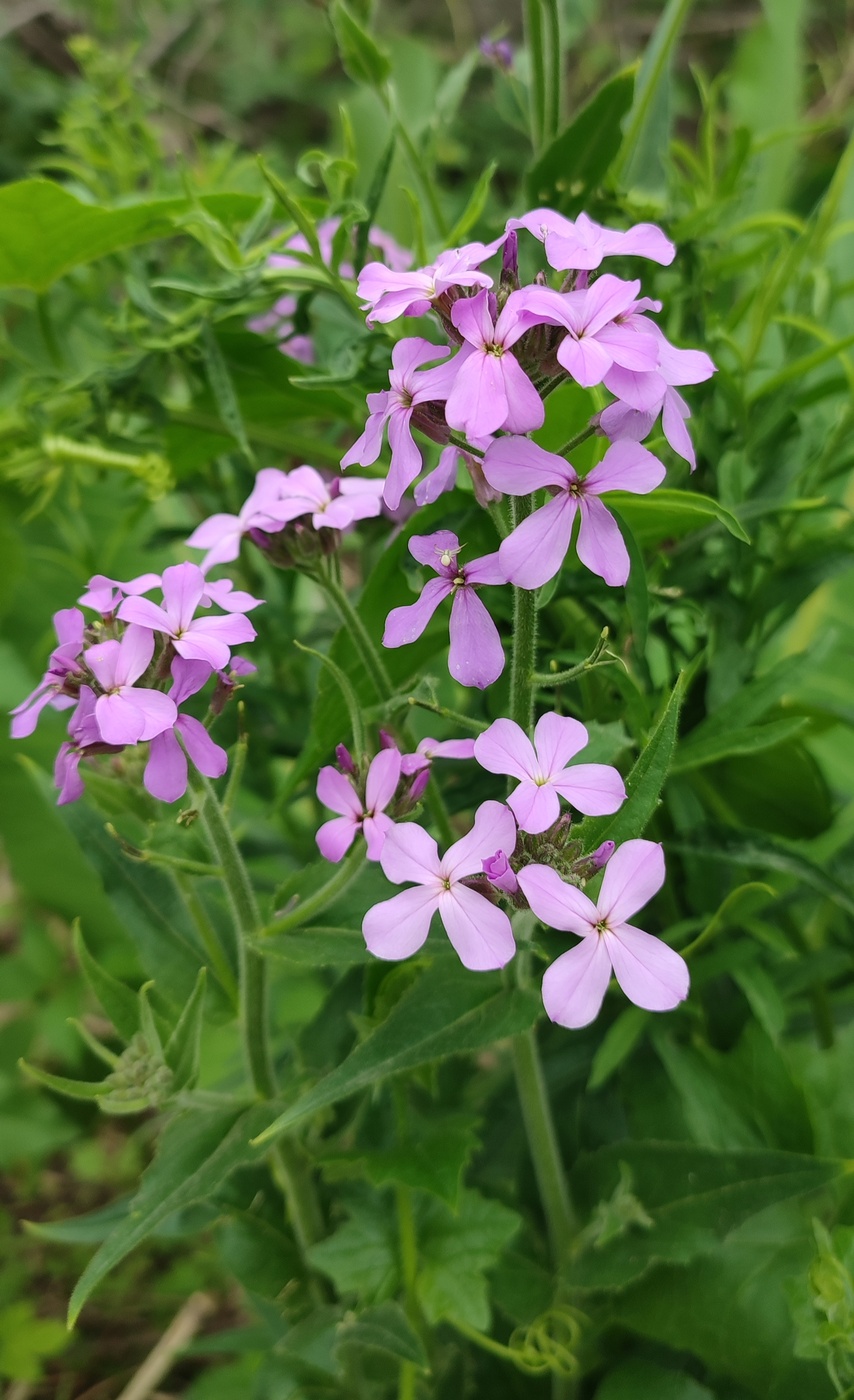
column 370, row 658
column 289, row 1165
column 576, row 441
column 344, row 875
column 542, row 1141
column 535, row 40
column 545, row 680
column 524, row 637
column 474, row 726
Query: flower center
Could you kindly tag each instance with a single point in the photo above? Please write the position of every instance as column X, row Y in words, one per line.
column 459, row 581
column 602, row 926
column 494, row 349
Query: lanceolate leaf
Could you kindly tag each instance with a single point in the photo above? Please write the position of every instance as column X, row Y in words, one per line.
column 197, row 1153
column 182, row 1048
column 669, row 514
column 698, row 752
column 578, row 159
column 118, row 1001
column 443, row 1014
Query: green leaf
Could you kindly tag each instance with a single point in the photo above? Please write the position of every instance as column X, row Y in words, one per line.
column 362, row 1255
column 755, row 849
column 753, row 700
column 91, row 1228
column 577, row 160
column 69, row 1088
column 644, row 783
column 45, row 231
column 475, row 206
column 184, row 1044
column 456, row 1249
column 118, row 1001
column 443, row 1014
column 363, row 59
column 223, row 390
column 24, row 1340
column 650, row 84
column 694, row 1197
column 431, row 1159
column 620, row 1039
column 783, row 791
column 196, row 1154
column 384, row 1328
column 669, row 514
column 636, row 1379
column 696, row 752
column 318, row 946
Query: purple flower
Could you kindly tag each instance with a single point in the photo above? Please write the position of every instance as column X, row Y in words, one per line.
column 223, row 592
column 499, row 52
column 534, row 552
column 166, row 772
column 126, row 713
column 428, row 749
column 598, row 334
column 395, row 407
column 499, row 873
column 85, row 739
column 652, row 975
column 642, row 396
column 195, row 638
column 336, row 837
column 63, row 666
column 103, row 594
column 593, row 788
column 221, row 534
column 332, row 505
column 490, row 389
column 582, row 245
column 476, row 657
column 387, row 294
column 480, row 932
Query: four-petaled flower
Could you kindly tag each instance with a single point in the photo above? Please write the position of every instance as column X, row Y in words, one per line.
column 332, row 505
column 127, row 713
column 336, row 791
column 582, row 245
column 490, row 388
column 221, row 534
column 651, row 974
column 62, row 667
column 597, row 333
column 388, row 293
column 476, row 656
column 593, row 788
column 166, row 773
column 480, row 932
column 195, row 638
column 534, row 552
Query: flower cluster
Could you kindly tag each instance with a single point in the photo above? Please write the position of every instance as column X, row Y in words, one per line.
column 126, row 673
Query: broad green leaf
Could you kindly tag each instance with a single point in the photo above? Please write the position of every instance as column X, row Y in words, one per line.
column 782, row 791
column 755, row 849
column 196, row 1154
column 183, row 1046
column 645, row 781
column 384, row 1328
column 431, row 1159
column 45, row 231
column 620, row 1039
column 361, row 55
column 694, row 1197
column 701, row 751
column 223, row 390
column 117, row 1000
column 636, row 1379
column 713, row 1116
column 318, row 946
column 670, row 514
column 443, row 1014
column 362, row 1255
column 753, row 700
column 577, row 160
column 456, row 1248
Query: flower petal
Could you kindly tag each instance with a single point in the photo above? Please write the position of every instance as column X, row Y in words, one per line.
column 633, row 875
column 375, row 830
column 406, row 459
column 535, row 806
column 505, row 748
column 494, row 830
column 476, row 656
column 404, row 625
column 398, row 927
column 159, row 711
column 479, row 931
column 601, row 547
column 165, row 773
column 525, row 410
column 651, row 974
column 183, row 586
column 337, row 793
column 410, row 853
column 335, row 838
column 555, row 904
column 118, row 721
column 477, row 404
column 136, row 651
column 626, row 466
column 534, row 552
column 558, row 739
column 518, row 466
column 383, row 777
column 574, row 986
column 208, row 757
column 595, row 789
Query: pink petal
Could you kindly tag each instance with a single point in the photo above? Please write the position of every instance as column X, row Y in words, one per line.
column 144, row 613
column 600, row 545
column 337, row 793
column 448, row 748
column 607, row 297
column 471, row 317
column 136, row 651
column 673, row 422
column 410, row 853
column 535, row 806
column 476, row 656
column 207, row 756
column 440, row 480
column 367, row 448
column 216, row 530
column 375, row 830
column 413, row 352
column 477, row 404
column 633, row 875
column 486, row 569
column 626, row 466
column 398, row 927
column 183, row 586
column 26, row 715
column 558, row 739
column 619, row 421
column 119, row 721
column 518, row 466
column 103, row 660
column 586, row 360
column 525, row 410
column 651, row 974
column 427, row 549
column 574, row 986
column 383, row 777
column 629, row 347
column 188, row 677
column 404, row 625
column 335, row 838
column 494, row 830
column 534, row 552
column 505, row 748
column 555, row 904
column 158, row 711
column 595, row 789
column 479, row 931
column 644, row 241
column 406, row 459
column 643, row 392
column 165, row 773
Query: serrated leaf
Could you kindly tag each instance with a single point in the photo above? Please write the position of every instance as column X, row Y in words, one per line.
column 645, row 781
column 362, row 1255
column 694, row 1196
column 432, row 1159
column 456, row 1249
column 196, row 1155
column 443, row 1014
column 384, row 1328
column 577, row 160
column 118, row 1001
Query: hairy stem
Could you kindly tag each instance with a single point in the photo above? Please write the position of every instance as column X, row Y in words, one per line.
column 524, row 657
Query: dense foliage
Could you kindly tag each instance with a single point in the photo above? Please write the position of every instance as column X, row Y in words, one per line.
column 397, row 1175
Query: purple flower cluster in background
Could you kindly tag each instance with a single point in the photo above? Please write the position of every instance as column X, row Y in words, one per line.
column 126, row 673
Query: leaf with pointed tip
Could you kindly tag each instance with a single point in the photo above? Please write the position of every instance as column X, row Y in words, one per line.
column 118, row 1001
column 182, row 1048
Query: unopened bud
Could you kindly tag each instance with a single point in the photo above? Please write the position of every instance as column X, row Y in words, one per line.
column 387, row 741
column 344, row 760
column 603, row 854
column 498, row 872
column 419, row 783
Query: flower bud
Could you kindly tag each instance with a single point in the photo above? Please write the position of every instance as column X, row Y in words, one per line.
column 344, row 759
column 498, row 872
column 419, row 783
column 603, row 854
